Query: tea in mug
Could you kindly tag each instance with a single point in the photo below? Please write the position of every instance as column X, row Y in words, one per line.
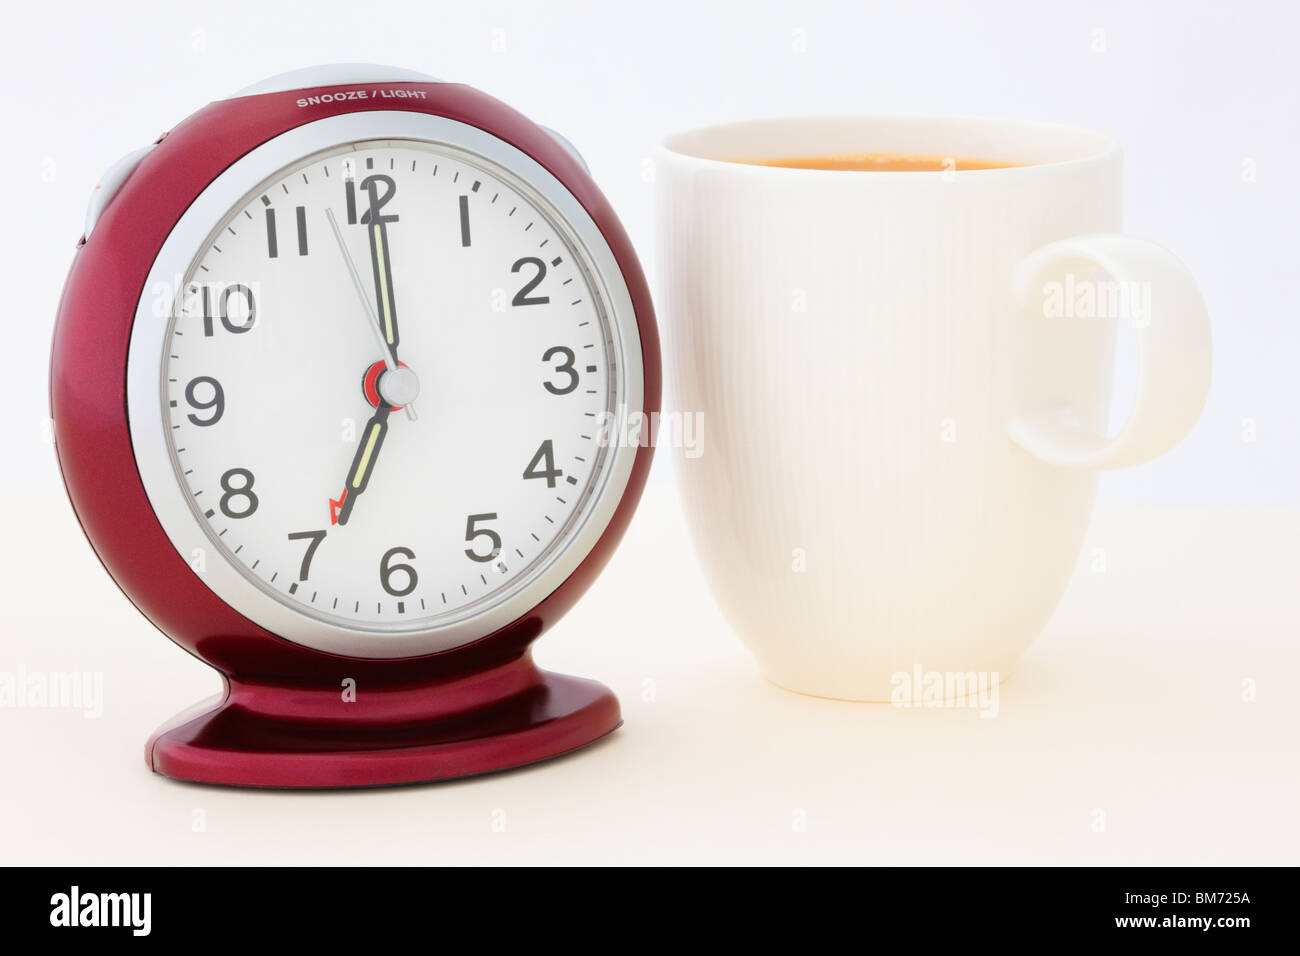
column 883, row 163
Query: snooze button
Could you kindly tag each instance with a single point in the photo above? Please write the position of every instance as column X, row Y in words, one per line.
column 110, row 183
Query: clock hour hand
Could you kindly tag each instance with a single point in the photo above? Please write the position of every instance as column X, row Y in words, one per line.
column 386, row 350
column 363, row 465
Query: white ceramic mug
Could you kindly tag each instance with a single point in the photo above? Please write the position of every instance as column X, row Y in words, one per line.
column 905, row 379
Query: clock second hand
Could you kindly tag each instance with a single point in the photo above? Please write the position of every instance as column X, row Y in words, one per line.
column 386, row 350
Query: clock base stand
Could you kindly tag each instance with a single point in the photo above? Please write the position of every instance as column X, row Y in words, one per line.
column 316, row 738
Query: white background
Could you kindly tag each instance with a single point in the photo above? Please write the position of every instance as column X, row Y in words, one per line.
column 1191, row 89
column 1199, row 94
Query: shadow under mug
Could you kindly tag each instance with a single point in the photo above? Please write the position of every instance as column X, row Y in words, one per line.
column 905, row 379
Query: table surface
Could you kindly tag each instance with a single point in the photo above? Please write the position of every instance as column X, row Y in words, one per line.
column 1155, row 721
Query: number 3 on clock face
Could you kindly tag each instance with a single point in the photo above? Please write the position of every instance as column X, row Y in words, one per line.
column 284, row 456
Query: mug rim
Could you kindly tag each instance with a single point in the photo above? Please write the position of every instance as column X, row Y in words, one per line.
column 1103, row 146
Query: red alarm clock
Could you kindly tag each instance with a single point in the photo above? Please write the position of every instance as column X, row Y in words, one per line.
column 347, row 385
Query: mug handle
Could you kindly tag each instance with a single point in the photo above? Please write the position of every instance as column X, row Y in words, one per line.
column 1173, row 354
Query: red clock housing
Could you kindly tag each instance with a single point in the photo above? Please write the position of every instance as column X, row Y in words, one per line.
column 282, row 720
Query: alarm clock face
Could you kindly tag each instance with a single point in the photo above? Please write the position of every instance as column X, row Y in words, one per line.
column 377, row 384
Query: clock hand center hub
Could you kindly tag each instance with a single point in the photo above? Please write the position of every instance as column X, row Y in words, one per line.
column 399, row 386
column 396, row 387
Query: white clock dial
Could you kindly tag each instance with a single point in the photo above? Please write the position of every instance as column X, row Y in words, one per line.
column 366, row 517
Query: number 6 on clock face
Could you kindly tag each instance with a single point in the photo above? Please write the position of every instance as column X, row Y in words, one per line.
column 330, row 278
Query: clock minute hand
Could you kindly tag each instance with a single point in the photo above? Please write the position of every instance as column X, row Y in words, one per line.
column 385, row 348
column 383, row 269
